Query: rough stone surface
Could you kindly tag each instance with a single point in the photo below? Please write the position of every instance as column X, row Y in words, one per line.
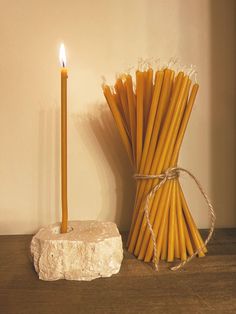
column 89, row 250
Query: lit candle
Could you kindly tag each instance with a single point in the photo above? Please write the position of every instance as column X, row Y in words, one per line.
column 63, row 139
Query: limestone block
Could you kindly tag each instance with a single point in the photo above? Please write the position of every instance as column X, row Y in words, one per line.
column 89, row 250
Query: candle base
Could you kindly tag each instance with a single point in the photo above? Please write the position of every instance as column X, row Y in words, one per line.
column 89, row 250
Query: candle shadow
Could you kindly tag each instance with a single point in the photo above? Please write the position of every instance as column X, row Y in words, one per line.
column 223, row 110
column 48, row 166
column 101, row 126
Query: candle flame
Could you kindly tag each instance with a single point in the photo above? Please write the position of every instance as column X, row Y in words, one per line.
column 62, row 55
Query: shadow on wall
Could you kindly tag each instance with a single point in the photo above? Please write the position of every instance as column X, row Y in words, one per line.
column 101, row 126
column 223, row 111
column 48, row 206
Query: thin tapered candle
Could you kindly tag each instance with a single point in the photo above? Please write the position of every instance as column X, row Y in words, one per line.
column 160, row 153
column 176, row 238
column 148, row 156
column 139, row 136
column 164, row 147
column 180, row 218
column 192, row 227
column 64, row 140
column 132, row 113
column 150, row 128
column 160, row 94
column 148, row 95
column 144, row 234
column 119, row 120
column 168, row 163
column 155, row 128
column 189, row 246
column 121, row 91
column 159, row 240
column 171, row 227
column 165, row 240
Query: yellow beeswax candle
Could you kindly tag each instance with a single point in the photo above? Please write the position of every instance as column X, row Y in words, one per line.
column 148, row 157
column 161, row 150
column 164, row 143
column 171, row 227
column 184, row 123
column 151, row 118
column 159, row 101
column 144, row 236
column 188, row 242
column 120, row 89
column 176, row 238
column 152, row 126
column 165, row 240
column 132, row 111
column 119, row 106
column 64, row 140
column 180, row 222
column 159, row 241
column 148, row 94
column 139, row 137
column 144, row 233
column 119, row 120
column 170, row 143
column 192, row 227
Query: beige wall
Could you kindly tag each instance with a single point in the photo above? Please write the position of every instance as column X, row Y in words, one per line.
column 102, row 38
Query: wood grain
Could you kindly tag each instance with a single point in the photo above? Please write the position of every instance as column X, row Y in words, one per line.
column 205, row 285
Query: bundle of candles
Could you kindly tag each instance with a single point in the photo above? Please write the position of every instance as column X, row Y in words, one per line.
column 151, row 115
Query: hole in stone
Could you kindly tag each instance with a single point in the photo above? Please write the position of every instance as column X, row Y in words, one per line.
column 56, row 230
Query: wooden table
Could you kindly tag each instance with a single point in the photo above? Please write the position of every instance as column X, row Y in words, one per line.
column 205, row 285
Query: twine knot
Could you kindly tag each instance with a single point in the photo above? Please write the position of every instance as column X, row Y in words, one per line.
column 169, row 174
column 172, row 174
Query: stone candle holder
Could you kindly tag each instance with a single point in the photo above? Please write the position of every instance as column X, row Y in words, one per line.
column 90, row 249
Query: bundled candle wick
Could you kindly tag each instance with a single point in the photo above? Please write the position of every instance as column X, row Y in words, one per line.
column 172, row 174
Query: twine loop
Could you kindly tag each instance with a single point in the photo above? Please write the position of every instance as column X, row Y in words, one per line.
column 172, row 174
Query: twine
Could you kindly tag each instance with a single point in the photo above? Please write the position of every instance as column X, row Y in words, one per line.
column 171, row 174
